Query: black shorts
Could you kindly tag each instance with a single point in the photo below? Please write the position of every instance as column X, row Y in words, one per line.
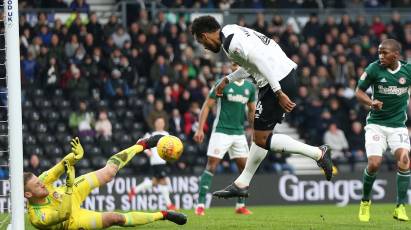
column 159, row 171
column 268, row 111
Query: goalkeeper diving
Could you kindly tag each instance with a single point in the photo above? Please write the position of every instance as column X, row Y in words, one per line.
column 51, row 207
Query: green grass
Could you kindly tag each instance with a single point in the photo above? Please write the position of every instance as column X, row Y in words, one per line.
column 285, row 217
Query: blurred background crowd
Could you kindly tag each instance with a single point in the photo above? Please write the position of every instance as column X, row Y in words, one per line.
column 108, row 82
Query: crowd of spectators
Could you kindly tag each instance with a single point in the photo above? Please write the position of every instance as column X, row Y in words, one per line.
column 110, row 80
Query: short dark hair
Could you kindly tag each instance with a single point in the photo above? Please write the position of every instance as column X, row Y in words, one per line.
column 204, row 24
column 27, row 176
column 395, row 45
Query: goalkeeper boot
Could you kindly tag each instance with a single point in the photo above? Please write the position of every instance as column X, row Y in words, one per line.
column 175, row 217
column 400, row 213
column 364, row 214
column 231, row 191
column 325, row 161
column 149, row 142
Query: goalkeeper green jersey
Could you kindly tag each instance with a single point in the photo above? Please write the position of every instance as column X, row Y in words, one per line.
column 390, row 87
column 231, row 107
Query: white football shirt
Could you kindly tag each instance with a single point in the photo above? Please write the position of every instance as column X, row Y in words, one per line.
column 257, row 55
column 155, row 159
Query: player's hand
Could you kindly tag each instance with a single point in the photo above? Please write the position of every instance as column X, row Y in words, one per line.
column 199, row 136
column 220, row 87
column 149, row 142
column 285, row 102
column 71, row 175
column 376, row 105
column 77, row 149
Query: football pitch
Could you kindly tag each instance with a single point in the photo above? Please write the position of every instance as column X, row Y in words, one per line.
column 285, row 217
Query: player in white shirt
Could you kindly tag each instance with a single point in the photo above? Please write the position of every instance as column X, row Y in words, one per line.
column 274, row 73
column 158, row 168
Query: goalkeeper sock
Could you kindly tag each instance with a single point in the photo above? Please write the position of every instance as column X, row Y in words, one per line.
column 283, row 143
column 403, row 181
column 123, row 157
column 368, row 180
column 139, row 218
column 165, row 193
column 205, row 183
column 256, row 155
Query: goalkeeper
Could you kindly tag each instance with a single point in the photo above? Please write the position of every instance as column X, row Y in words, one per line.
column 51, row 207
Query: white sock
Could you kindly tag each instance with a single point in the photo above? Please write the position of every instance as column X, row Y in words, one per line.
column 256, row 155
column 146, row 184
column 165, row 192
column 239, row 205
column 284, row 143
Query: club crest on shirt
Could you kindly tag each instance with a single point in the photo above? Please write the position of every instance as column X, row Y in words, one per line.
column 402, row 80
column 43, row 216
column 376, row 137
column 246, row 92
column 56, row 195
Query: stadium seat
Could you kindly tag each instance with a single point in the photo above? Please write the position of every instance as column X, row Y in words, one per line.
column 38, row 93
column 53, row 151
column 29, row 139
column 117, row 127
column 98, row 162
column 129, row 115
column 65, row 114
column 120, row 112
column 87, row 140
column 61, row 127
column 138, row 126
column 27, row 104
column 46, row 163
column 83, row 164
column 111, row 115
column 63, row 138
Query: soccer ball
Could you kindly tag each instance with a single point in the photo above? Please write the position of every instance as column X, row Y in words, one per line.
column 169, row 148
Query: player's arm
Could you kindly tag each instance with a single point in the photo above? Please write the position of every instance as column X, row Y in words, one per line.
column 363, row 84
column 239, row 74
column 54, row 173
column 264, row 67
column 205, row 110
column 63, row 211
column 251, row 113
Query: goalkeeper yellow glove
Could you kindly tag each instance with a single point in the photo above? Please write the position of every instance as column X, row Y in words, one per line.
column 70, row 176
column 77, row 152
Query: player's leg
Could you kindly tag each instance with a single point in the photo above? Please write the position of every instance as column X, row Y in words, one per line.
column 375, row 145
column 239, row 152
column 86, row 219
column 163, row 187
column 205, row 182
column 272, row 113
column 146, row 184
column 399, row 142
column 268, row 114
column 217, row 147
column 86, row 183
column 240, row 207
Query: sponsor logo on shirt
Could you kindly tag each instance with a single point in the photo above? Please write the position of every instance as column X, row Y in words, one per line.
column 392, row 90
column 237, row 98
column 383, row 80
column 56, row 195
